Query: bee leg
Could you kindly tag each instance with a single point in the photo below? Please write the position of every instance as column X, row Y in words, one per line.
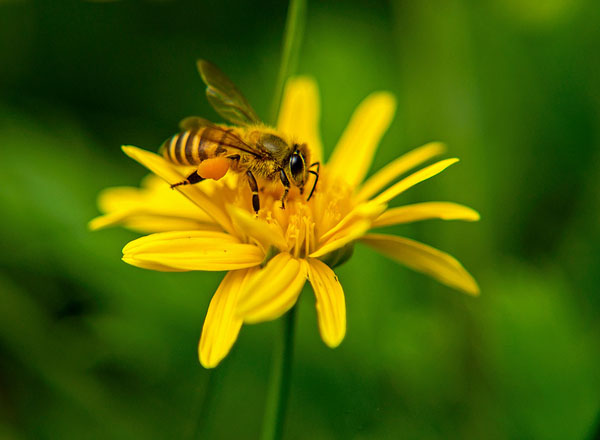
column 190, row 180
column 316, row 174
column 254, row 189
column 286, row 186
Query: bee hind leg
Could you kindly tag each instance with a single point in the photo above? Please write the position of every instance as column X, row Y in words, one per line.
column 190, row 180
column 254, row 189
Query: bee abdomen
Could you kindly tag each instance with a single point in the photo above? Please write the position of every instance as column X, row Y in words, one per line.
column 182, row 148
column 193, row 146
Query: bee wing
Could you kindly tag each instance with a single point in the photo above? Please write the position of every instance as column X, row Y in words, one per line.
column 225, row 97
column 228, row 139
column 194, row 123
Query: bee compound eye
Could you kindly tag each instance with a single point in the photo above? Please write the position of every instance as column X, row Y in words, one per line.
column 296, row 165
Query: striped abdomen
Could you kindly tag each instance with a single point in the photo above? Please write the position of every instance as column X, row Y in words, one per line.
column 193, row 146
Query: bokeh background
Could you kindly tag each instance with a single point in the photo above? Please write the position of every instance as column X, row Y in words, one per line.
column 93, row 348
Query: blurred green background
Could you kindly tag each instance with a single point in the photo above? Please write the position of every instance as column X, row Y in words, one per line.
column 93, row 348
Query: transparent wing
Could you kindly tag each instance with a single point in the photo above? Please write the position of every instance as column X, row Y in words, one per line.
column 194, row 123
column 227, row 138
column 222, row 136
column 225, row 97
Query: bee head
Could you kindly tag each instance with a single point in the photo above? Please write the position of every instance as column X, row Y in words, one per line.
column 297, row 165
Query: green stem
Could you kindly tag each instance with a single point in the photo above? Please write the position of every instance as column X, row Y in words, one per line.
column 281, row 370
column 279, row 386
column 205, row 406
column 292, row 39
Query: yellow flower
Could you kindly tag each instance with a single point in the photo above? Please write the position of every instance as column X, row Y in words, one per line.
column 270, row 256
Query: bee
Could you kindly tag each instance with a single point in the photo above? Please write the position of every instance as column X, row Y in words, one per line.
column 246, row 147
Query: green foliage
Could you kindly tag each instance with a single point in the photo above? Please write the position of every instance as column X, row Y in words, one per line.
column 93, row 348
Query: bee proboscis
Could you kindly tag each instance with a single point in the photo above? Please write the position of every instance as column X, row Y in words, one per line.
column 248, row 146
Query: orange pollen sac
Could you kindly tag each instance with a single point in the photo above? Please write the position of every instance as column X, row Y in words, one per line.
column 214, row 168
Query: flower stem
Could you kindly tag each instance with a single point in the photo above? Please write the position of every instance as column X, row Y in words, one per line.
column 292, row 39
column 204, row 407
column 279, row 386
column 281, row 370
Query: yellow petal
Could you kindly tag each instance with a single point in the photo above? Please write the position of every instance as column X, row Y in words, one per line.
column 221, row 325
column 423, row 258
column 152, row 224
column 401, row 165
column 173, row 240
column 274, row 290
column 352, row 232
column 363, row 211
column 172, row 175
column 268, row 234
column 353, row 226
column 299, row 114
column 150, row 265
column 153, row 194
column 330, row 305
column 108, row 220
column 426, row 211
column 412, row 180
column 153, row 207
column 145, row 222
column 354, row 152
column 192, row 250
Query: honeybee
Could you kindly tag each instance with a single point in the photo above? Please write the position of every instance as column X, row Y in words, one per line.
column 248, row 146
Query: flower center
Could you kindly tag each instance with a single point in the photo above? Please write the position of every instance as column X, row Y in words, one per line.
column 304, row 223
column 300, row 223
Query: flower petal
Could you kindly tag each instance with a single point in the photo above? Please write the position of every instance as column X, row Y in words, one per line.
column 412, row 180
column 330, row 305
column 423, row 258
column 153, row 207
column 299, row 114
column 354, row 152
column 172, row 175
column 150, row 265
column 363, row 211
column 402, row 164
column 352, row 233
column 351, row 227
column 221, row 325
column 192, row 250
column 268, row 234
column 151, row 192
column 274, row 290
column 426, row 211
column 148, row 224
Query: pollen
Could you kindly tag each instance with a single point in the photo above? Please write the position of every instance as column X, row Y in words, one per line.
column 214, row 168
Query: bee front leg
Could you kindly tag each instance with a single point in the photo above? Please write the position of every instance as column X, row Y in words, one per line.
column 286, row 186
column 316, row 174
column 190, row 180
column 254, row 189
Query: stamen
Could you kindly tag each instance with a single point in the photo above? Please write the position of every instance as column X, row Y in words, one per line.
column 309, row 227
column 307, row 239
